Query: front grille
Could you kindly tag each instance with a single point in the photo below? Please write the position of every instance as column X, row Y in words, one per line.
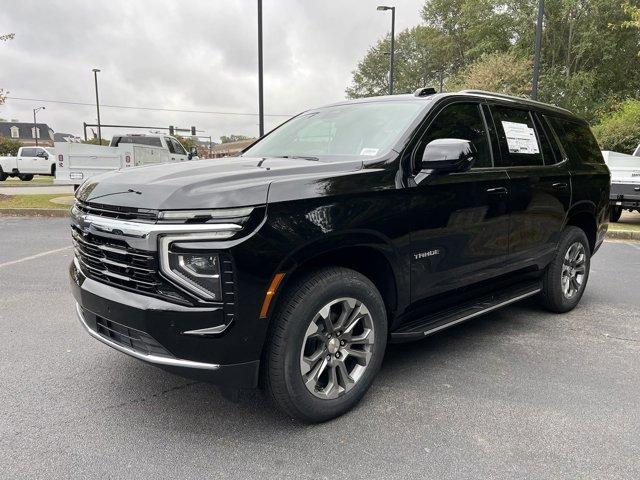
column 131, row 338
column 121, row 213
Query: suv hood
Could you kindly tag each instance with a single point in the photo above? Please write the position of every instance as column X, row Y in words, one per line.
column 215, row 183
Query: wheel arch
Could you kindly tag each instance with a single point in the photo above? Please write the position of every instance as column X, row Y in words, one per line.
column 583, row 215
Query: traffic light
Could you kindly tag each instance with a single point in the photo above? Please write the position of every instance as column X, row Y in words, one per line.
column 171, row 130
column 193, row 131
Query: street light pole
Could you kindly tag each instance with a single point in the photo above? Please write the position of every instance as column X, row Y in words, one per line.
column 35, row 124
column 260, row 80
column 393, row 28
column 95, row 77
column 536, row 53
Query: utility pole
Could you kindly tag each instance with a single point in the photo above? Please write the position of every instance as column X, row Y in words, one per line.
column 95, row 77
column 260, row 79
column 35, row 124
column 536, row 53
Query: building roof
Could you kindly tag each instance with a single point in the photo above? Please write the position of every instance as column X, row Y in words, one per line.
column 65, row 137
column 24, row 130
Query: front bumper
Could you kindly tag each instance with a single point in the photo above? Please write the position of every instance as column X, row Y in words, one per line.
column 156, row 332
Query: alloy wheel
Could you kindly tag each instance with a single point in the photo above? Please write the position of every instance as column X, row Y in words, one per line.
column 573, row 270
column 337, row 348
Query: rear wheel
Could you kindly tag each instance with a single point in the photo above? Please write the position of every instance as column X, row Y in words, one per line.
column 25, row 177
column 3, row 175
column 615, row 213
column 565, row 278
column 327, row 343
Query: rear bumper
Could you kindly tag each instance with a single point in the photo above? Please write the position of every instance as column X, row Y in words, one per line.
column 625, row 195
column 153, row 331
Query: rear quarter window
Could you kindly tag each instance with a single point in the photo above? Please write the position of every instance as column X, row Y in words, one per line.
column 577, row 140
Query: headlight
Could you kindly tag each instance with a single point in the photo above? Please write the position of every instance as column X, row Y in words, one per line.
column 196, row 270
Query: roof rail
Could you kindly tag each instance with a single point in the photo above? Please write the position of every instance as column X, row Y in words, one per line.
column 424, row 92
column 514, row 98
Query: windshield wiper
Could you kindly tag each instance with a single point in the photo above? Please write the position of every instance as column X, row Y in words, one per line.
column 315, row 159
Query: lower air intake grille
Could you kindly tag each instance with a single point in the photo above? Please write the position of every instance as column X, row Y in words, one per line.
column 130, row 338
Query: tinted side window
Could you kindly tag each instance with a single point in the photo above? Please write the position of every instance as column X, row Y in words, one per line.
column 463, row 121
column 28, row 152
column 550, row 150
column 519, row 143
column 179, row 149
column 577, row 140
column 170, row 145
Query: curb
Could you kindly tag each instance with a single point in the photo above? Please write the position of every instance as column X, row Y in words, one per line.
column 623, row 235
column 34, row 212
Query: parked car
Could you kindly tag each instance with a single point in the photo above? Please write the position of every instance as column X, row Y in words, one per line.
column 79, row 161
column 625, row 182
column 349, row 226
column 29, row 162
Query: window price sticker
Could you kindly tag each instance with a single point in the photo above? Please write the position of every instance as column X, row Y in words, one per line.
column 520, row 138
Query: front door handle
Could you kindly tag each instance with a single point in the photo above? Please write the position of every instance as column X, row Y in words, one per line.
column 560, row 185
column 497, row 191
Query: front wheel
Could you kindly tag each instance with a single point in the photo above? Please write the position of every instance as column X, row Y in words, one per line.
column 25, row 177
column 565, row 278
column 615, row 213
column 326, row 345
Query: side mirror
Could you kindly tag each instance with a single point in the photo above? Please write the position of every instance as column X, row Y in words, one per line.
column 194, row 151
column 448, row 155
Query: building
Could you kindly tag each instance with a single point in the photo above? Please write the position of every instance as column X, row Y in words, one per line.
column 26, row 133
column 230, row 149
column 66, row 137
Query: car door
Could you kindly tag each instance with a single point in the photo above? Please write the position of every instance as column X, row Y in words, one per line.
column 539, row 182
column 41, row 161
column 181, row 153
column 460, row 222
column 27, row 160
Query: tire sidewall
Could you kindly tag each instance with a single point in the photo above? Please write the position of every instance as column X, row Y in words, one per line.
column 353, row 286
column 562, row 303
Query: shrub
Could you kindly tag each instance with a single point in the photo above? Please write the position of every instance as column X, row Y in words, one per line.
column 620, row 130
column 9, row 146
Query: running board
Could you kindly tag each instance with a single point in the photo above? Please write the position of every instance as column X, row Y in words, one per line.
column 435, row 322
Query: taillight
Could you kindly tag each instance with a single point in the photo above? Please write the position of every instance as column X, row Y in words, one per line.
column 60, row 160
column 127, row 160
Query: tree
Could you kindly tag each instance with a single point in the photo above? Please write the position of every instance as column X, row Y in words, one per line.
column 4, row 38
column 187, row 142
column 588, row 58
column 421, row 58
column 9, row 146
column 233, row 138
column 495, row 72
column 620, row 130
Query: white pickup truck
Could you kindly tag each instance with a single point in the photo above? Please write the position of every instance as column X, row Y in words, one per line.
column 625, row 182
column 29, row 162
column 76, row 162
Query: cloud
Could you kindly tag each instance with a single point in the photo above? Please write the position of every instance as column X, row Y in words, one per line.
column 196, row 55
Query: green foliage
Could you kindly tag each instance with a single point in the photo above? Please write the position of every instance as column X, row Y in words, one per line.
column 94, row 141
column 589, row 51
column 187, row 142
column 620, row 130
column 9, row 146
column 495, row 72
column 232, row 138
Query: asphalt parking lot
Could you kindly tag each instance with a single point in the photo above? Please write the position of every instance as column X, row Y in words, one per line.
column 518, row 393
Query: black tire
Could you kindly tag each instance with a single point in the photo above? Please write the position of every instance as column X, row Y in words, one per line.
column 302, row 302
column 3, row 175
column 25, row 177
column 53, row 170
column 614, row 213
column 554, row 296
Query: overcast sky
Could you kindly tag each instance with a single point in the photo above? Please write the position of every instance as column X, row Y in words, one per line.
column 190, row 55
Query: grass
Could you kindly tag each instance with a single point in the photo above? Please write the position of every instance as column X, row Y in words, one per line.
column 31, row 201
column 38, row 180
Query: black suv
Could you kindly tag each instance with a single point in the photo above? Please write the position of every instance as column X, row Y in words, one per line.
column 349, row 226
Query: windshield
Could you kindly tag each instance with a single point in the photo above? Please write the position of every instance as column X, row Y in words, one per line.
column 357, row 129
column 151, row 141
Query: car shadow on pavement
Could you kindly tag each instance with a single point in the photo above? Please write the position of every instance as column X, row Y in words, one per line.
column 192, row 406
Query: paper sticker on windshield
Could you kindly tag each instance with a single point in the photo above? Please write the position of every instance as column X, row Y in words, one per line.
column 520, row 138
column 369, row 151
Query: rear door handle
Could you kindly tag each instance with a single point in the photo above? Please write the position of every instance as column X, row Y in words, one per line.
column 560, row 186
column 497, row 191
